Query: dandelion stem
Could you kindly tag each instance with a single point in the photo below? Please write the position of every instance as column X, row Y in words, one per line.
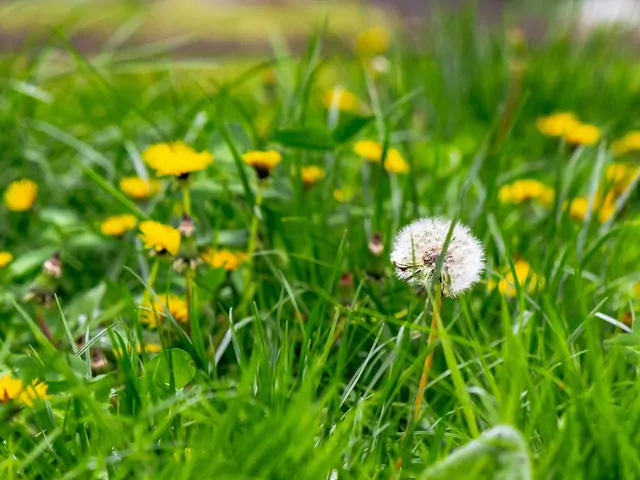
column 426, row 369
column 186, row 198
column 43, row 324
column 253, row 236
column 150, row 281
column 188, row 290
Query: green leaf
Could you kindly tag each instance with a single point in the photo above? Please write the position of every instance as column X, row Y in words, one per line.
column 347, row 130
column 173, row 362
column 85, row 303
column 305, row 138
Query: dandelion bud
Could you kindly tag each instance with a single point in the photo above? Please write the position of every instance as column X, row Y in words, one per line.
column 376, row 247
column 187, row 257
column 418, row 246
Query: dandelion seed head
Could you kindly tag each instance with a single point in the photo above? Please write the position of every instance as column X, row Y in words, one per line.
column 418, row 245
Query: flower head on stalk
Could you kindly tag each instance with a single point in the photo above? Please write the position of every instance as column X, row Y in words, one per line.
column 418, row 246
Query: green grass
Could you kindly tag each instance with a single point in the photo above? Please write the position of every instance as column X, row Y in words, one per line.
column 290, row 372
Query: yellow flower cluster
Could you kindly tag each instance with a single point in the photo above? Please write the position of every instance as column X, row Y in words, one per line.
column 568, row 126
column 154, row 312
column 5, row 259
column 159, row 238
column 118, row 225
column 372, row 151
column 311, row 174
column 524, row 275
column 14, row 389
column 139, row 188
column 620, row 175
column 523, row 190
column 603, row 207
column 373, row 41
column 226, row 259
column 20, row 195
column 262, row 162
column 177, row 159
column 341, row 99
column 627, row 144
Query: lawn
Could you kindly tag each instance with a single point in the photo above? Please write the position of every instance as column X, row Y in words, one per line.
column 201, row 273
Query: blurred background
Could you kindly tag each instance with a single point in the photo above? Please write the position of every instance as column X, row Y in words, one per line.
column 249, row 27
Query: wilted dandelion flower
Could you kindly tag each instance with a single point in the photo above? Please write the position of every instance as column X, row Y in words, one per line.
column 628, row 143
column 524, row 275
column 262, row 162
column 418, row 245
column 226, row 259
column 154, row 312
column 20, row 195
column 582, row 134
column 177, row 159
column 139, row 188
column 523, row 190
column 118, row 225
column 341, row 99
column 372, row 42
column 557, row 124
column 159, row 238
column 311, row 174
column 5, row 259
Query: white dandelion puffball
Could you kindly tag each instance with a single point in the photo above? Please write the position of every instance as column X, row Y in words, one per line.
column 418, row 245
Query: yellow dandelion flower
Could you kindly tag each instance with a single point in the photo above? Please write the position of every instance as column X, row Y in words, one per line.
column 580, row 205
column 159, row 237
column 14, row 389
column 372, row 151
column 557, row 124
column 5, row 259
column 152, row 348
column 118, row 225
column 262, row 162
column 139, row 188
column 524, row 275
column 154, row 312
column 341, row 99
column 20, row 195
column 310, row 175
column 369, row 150
column 37, row 390
column 372, row 42
column 628, row 143
column 395, row 162
column 523, row 190
column 10, row 388
column 338, row 194
column 582, row 134
column 226, row 259
column 177, row 159
column 620, row 175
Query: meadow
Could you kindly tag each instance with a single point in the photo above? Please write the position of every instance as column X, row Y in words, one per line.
column 195, row 257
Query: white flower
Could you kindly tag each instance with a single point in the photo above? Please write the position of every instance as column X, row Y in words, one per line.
column 418, row 245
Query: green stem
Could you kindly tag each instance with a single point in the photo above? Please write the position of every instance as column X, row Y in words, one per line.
column 151, row 280
column 253, row 237
column 186, row 198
